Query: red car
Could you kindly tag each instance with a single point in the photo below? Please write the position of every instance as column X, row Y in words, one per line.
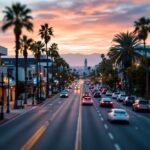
column 86, row 94
column 141, row 104
column 87, row 101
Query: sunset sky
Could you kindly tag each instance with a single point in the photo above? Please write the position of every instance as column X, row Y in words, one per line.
column 80, row 26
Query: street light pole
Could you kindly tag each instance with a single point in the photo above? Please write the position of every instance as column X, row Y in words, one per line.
column 8, row 110
column 2, row 106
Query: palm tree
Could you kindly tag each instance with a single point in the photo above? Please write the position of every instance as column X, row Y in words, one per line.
column 123, row 52
column 17, row 16
column 142, row 28
column 37, row 48
column 53, row 53
column 46, row 33
column 25, row 44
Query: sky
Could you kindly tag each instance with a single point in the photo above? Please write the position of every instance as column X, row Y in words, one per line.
column 80, row 26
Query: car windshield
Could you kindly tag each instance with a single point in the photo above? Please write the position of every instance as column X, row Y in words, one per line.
column 119, row 112
column 87, row 98
column 144, row 102
column 131, row 98
column 123, row 95
column 106, row 99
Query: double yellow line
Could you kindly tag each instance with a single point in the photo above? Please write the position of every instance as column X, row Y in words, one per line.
column 35, row 137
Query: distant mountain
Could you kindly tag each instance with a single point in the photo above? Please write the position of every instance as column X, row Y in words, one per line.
column 77, row 60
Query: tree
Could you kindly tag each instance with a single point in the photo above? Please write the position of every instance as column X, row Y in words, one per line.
column 37, row 48
column 46, row 32
column 142, row 28
column 25, row 44
column 123, row 53
column 17, row 16
column 53, row 53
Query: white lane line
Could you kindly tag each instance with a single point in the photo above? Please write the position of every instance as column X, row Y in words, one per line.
column 50, row 104
column 110, row 136
column 99, row 115
column 105, row 126
column 117, row 147
column 59, row 102
column 102, row 119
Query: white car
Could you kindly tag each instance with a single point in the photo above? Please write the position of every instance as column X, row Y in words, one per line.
column 118, row 115
column 108, row 93
column 121, row 97
column 115, row 95
column 64, row 94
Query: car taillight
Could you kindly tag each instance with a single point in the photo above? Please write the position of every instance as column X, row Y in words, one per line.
column 138, row 106
column 102, row 102
column 127, row 116
column 111, row 102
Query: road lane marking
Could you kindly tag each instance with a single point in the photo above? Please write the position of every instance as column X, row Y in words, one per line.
column 99, row 115
column 106, row 126
column 102, row 119
column 78, row 141
column 110, row 136
column 117, row 147
column 35, row 137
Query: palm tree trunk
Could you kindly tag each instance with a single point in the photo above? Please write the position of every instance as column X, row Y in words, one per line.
column 37, row 79
column 47, row 84
column 25, row 71
column 146, row 67
column 52, row 75
column 16, row 73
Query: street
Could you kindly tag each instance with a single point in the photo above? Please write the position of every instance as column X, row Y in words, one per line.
column 64, row 124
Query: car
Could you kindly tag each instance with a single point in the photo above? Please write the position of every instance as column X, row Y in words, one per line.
column 129, row 100
column 77, row 87
column 104, row 90
column 117, row 114
column 97, row 94
column 87, row 101
column 108, row 93
column 86, row 94
column 64, row 94
column 121, row 97
column 95, row 90
column 106, row 102
column 115, row 95
column 141, row 104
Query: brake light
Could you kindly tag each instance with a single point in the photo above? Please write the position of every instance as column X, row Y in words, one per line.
column 127, row 116
column 102, row 102
column 111, row 102
column 138, row 106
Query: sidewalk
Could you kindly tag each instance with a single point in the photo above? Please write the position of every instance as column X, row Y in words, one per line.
column 14, row 113
column 17, row 112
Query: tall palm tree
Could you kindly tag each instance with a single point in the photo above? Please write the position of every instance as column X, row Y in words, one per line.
column 123, row 52
column 46, row 33
column 17, row 16
column 37, row 48
column 53, row 53
column 25, row 44
column 142, row 28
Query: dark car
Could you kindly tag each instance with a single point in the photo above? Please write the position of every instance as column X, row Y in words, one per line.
column 97, row 94
column 129, row 100
column 106, row 102
column 141, row 104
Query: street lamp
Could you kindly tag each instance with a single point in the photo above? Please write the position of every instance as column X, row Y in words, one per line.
column 2, row 100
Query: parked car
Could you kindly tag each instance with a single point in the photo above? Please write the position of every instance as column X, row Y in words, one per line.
column 121, row 97
column 106, row 102
column 97, row 94
column 118, row 115
column 104, row 90
column 115, row 95
column 87, row 101
column 129, row 100
column 141, row 104
column 64, row 94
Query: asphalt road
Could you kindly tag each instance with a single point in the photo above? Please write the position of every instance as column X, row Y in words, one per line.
column 64, row 124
